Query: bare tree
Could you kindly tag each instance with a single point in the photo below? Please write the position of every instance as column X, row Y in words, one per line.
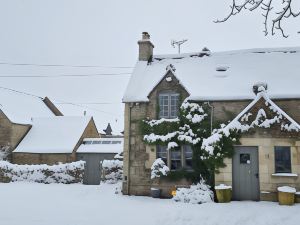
column 271, row 22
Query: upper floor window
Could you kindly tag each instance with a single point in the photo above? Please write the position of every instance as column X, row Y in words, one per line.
column 168, row 105
column 282, row 159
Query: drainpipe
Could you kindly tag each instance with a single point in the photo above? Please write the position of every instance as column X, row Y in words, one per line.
column 129, row 146
column 211, row 116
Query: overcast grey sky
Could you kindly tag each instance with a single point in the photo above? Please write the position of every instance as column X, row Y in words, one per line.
column 96, row 32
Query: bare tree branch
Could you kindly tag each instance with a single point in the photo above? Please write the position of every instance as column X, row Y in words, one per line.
column 266, row 6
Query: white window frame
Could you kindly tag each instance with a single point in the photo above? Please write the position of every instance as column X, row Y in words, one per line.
column 168, row 114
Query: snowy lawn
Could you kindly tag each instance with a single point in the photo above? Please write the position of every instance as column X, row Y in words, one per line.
column 59, row 204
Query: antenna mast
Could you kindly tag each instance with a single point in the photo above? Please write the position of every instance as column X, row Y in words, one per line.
column 178, row 43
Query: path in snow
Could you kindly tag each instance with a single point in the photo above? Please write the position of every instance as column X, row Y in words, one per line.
column 58, row 204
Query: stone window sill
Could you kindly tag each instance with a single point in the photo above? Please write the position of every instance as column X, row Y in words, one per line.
column 285, row 175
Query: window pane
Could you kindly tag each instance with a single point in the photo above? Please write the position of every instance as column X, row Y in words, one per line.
column 175, row 159
column 174, row 105
column 163, row 106
column 282, row 159
column 188, row 155
column 162, row 153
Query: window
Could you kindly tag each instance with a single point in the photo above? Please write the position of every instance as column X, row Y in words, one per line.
column 162, row 153
column 168, row 105
column 244, row 158
column 116, row 142
column 175, row 159
column 188, row 156
column 282, row 159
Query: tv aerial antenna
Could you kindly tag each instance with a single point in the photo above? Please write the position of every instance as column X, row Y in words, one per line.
column 178, row 44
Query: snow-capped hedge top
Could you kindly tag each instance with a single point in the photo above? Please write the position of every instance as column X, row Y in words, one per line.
column 201, row 76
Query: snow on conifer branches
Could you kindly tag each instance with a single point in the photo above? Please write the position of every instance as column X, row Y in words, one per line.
column 191, row 113
column 195, row 194
column 159, row 169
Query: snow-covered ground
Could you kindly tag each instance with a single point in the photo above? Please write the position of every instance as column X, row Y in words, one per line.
column 59, row 204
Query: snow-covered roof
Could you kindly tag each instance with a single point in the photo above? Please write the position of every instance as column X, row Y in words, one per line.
column 58, row 134
column 20, row 108
column 221, row 75
column 101, row 145
column 241, row 123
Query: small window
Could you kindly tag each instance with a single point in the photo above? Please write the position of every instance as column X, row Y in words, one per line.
column 168, row 105
column 282, row 159
column 106, row 142
column 176, row 159
column 96, row 142
column 162, row 153
column 87, row 142
column 116, row 142
column 188, row 156
column 245, row 158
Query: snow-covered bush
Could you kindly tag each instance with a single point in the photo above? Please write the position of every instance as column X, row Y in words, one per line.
column 4, row 152
column 195, row 194
column 112, row 171
column 62, row 173
column 159, row 169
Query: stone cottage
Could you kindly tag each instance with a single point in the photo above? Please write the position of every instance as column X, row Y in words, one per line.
column 257, row 90
column 54, row 140
column 16, row 111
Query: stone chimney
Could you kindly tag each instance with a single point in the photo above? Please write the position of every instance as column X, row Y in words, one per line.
column 145, row 47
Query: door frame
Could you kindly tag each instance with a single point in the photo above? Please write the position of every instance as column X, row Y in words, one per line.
column 258, row 182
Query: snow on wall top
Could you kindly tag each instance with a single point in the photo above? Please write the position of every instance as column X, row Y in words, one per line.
column 101, row 145
column 221, row 75
column 20, row 108
column 58, row 134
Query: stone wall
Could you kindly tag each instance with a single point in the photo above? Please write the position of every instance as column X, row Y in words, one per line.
column 36, row 158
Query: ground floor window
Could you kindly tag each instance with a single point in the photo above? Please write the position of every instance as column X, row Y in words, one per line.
column 176, row 159
column 283, row 159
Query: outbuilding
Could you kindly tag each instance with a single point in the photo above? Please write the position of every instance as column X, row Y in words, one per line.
column 93, row 151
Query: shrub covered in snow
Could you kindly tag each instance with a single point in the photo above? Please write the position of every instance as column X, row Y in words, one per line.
column 112, row 171
column 4, row 152
column 159, row 169
column 62, row 173
column 195, row 194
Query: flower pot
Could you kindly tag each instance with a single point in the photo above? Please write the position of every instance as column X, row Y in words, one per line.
column 155, row 192
column 286, row 195
column 224, row 193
